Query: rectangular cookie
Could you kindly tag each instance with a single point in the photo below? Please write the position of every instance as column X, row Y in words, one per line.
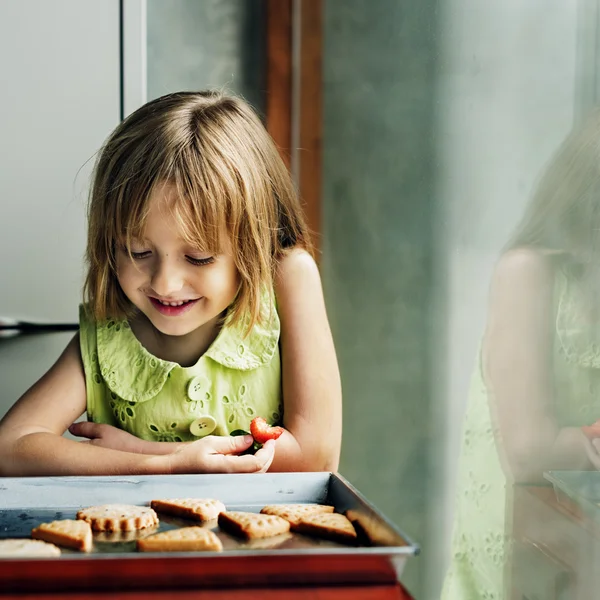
column 294, row 512
column 185, row 539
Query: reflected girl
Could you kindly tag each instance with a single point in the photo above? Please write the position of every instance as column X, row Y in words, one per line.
column 536, row 386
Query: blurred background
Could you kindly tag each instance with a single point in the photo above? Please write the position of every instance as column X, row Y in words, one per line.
column 415, row 131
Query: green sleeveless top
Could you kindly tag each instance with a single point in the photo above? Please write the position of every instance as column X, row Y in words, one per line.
column 236, row 380
column 481, row 532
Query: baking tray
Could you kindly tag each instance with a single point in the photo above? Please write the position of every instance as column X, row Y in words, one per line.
column 582, row 487
column 114, row 563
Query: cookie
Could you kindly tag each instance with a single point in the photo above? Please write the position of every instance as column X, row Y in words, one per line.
column 13, row 548
column 67, row 533
column 252, row 525
column 197, row 509
column 118, row 517
column 371, row 531
column 268, row 543
column 294, row 512
column 185, row 539
column 109, row 537
column 329, row 526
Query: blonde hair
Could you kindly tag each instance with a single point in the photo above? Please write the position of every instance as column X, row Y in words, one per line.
column 564, row 213
column 228, row 175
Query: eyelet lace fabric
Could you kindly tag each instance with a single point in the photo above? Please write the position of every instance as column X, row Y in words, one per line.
column 159, row 400
column 481, row 539
column 579, row 339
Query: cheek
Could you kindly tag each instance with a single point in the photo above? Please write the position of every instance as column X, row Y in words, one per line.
column 127, row 273
column 225, row 282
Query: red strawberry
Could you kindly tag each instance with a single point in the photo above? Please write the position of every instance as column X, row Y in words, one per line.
column 261, row 431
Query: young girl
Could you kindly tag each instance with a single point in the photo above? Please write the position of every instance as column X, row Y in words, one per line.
column 203, row 310
column 537, row 382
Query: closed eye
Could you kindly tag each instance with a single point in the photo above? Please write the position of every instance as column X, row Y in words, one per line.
column 140, row 255
column 199, row 262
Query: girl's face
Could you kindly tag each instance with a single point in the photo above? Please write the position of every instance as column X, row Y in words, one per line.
column 178, row 287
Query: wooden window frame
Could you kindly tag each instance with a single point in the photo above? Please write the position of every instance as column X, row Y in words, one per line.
column 294, row 95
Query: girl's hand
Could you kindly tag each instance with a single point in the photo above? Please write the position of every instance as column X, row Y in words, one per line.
column 212, row 454
column 219, row 454
column 592, row 449
column 595, row 457
column 592, row 443
column 108, row 436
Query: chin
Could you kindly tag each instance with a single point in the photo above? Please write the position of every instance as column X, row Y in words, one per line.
column 174, row 329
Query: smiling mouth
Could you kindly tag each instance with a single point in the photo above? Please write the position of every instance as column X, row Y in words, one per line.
column 173, row 309
column 178, row 303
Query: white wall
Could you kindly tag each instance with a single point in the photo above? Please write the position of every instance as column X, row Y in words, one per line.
column 513, row 76
column 60, row 99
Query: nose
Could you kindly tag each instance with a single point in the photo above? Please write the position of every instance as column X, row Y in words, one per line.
column 167, row 278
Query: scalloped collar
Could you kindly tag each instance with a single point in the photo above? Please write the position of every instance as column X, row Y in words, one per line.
column 136, row 375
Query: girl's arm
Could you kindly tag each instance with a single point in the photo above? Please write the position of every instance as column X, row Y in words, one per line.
column 109, row 436
column 311, row 381
column 518, row 361
column 31, row 441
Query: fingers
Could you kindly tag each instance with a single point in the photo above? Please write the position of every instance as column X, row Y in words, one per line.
column 266, row 455
column 592, row 448
column 248, row 463
column 85, row 429
column 228, row 444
